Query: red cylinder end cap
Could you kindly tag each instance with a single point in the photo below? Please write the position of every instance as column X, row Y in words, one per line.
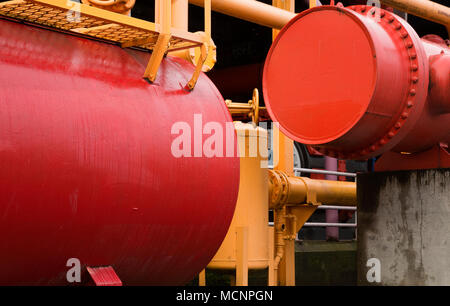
column 320, row 75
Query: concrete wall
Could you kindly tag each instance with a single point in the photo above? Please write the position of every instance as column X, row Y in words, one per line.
column 404, row 221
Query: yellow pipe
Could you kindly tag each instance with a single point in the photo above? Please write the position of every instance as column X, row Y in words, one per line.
column 280, row 215
column 291, row 190
column 208, row 18
column 251, row 10
column 328, row 192
column 180, row 21
column 237, row 108
column 270, row 16
column 252, row 108
column 425, row 9
column 163, row 15
column 180, row 14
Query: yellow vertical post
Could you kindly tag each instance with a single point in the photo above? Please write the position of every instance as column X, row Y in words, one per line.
column 204, row 49
column 271, row 281
column 180, row 14
column 162, row 44
column 287, row 264
column 166, row 23
column 288, row 5
column 202, row 278
column 283, row 152
column 208, row 19
column 242, row 256
column 157, row 12
column 283, row 147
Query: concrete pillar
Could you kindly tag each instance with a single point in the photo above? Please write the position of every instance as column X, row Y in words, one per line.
column 404, row 223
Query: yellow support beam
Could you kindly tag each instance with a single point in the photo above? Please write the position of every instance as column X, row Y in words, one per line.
column 159, row 51
column 271, row 281
column 99, row 28
column 283, row 157
column 163, row 41
column 242, row 256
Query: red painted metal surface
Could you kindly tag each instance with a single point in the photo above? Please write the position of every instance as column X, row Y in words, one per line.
column 355, row 87
column 86, row 164
column 436, row 157
column 104, row 276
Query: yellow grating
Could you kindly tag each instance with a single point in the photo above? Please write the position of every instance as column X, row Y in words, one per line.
column 94, row 22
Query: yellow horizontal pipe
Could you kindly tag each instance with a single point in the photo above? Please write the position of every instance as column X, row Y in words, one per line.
column 251, row 10
column 291, row 190
column 423, row 8
column 270, row 16
column 328, row 192
column 240, row 108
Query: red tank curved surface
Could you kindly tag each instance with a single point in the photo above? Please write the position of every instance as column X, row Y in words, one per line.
column 86, row 164
column 358, row 82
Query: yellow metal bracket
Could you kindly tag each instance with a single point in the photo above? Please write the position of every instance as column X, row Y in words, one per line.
column 298, row 215
column 159, row 51
column 311, row 194
column 198, row 67
column 163, row 44
column 205, row 48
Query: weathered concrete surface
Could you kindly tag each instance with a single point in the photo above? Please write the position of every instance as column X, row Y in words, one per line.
column 404, row 221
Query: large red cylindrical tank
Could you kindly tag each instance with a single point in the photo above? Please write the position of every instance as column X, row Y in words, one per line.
column 86, row 165
column 357, row 82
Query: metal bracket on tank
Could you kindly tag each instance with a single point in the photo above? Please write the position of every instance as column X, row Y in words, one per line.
column 164, row 39
column 158, row 53
column 104, row 276
column 198, row 67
